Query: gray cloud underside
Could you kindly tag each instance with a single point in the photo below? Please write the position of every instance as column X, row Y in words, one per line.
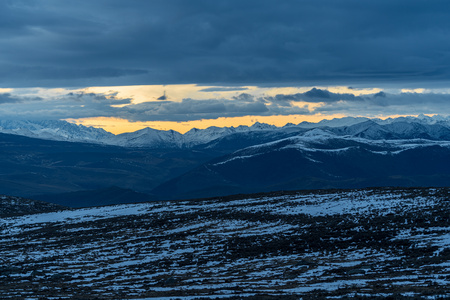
column 223, row 89
column 118, row 42
column 82, row 105
column 8, row 98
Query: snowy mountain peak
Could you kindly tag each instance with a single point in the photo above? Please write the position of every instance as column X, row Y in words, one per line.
column 318, row 133
column 422, row 119
column 346, row 121
column 54, row 130
column 426, row 127
column 148, row 136
column 262, row 126
column 193, row 130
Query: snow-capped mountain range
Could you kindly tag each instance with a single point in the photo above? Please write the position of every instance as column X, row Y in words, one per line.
column 397, row 152
column 433, row 128
column 315, row 160
column 340, row 153
column 54, row 130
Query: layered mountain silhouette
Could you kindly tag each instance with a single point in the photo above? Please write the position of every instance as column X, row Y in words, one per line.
column 316, row 161
column 435, row 128
column 154, row 164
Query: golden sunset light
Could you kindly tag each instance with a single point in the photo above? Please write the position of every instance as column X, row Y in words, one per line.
column 257, row 149
column 118, row 126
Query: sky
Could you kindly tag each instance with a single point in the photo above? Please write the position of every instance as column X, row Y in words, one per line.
column 174, row 64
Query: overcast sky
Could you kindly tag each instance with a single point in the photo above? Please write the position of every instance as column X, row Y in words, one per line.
column 122, row 42
column 224, row 45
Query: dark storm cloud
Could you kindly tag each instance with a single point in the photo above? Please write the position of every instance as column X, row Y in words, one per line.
column 120, row 42
column 42, row 74
column 97, row 99
column 244, row 97
column 162, row 98
column 82, row 105
column 314, row 96
column 390, row 104
column 223, row 89
column 8, row 98
column 190, row 109
column 71, row 105
column 380, row 94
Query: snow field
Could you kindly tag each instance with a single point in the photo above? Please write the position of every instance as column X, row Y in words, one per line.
column 334, row 243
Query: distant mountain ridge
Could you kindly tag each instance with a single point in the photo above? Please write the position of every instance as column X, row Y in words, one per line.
column 317, row 159
column 55, row 130
column 434, row 128
column 151, row 164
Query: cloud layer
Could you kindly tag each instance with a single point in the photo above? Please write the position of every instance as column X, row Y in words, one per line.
column 78, row 104
column 117, row 42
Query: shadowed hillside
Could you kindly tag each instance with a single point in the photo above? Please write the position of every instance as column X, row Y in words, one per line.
column 309, row 245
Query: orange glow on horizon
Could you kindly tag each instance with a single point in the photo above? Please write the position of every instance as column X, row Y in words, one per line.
column 118, row 126
column 176, row 93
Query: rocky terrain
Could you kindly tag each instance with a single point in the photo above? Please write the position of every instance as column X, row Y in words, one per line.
column 14, row 206
column 328, row 244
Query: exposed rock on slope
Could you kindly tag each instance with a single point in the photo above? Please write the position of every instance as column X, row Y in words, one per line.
column 13, row 206
column 310, row 245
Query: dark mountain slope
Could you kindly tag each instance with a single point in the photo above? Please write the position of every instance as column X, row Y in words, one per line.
column 353, row 154
column 302, row 163
column 100, row 197
column 240, row 140
column 33, row 166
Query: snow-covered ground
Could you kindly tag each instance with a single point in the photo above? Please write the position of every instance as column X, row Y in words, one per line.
column 325, row 243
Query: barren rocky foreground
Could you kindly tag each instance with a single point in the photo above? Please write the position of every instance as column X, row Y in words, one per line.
column 371, row 243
